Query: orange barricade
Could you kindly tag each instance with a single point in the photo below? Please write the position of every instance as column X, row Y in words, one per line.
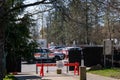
column 42, row 67
column 42, row 70
column 76, row 67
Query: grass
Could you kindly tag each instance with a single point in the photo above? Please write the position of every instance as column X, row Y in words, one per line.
column 109, row 72
column 9, row 77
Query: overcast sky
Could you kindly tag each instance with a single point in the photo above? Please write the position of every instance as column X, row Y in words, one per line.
column 34, row 9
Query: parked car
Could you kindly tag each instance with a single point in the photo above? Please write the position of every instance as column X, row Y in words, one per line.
column 55, row 48
column 46, row 54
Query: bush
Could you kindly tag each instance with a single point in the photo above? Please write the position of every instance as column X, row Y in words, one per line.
column 96, row 67
column 9, row 77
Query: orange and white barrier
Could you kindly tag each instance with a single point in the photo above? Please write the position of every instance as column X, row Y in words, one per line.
column 76, row 67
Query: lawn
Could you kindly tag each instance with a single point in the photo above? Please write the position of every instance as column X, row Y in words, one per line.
column 111, row 72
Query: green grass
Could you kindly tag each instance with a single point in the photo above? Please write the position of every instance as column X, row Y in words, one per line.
column 111, row 72
column 9, row 77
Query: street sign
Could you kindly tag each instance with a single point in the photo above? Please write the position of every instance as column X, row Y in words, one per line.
column 108, row 50
column 59, row 64
column 108, row 47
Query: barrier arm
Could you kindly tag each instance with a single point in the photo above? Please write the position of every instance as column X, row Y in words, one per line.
column 76, row 67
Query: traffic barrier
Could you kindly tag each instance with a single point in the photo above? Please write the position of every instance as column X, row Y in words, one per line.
column 76, row 67
column 42, row 70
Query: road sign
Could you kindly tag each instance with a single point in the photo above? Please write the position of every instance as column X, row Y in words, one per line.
column 108, row 47
column 60, row 64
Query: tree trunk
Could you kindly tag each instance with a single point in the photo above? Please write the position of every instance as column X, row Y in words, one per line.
column 1, row 52
column 2, row 37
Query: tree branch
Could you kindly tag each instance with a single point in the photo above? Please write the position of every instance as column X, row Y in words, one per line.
column 27, row 5
column 40, row 12
column 31, row 4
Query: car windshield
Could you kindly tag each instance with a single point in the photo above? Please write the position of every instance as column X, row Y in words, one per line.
column 73, row 48
column 42, row 51
column 46, row 51
column 38, row 50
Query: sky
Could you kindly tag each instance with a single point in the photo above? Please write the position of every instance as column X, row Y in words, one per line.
column 31, row 9
column 38, row 17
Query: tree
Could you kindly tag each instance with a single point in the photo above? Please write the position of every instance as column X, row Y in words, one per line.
column 2, row 38
column 55, row 23
column 7, row 11
column 82, row 19
column 72, row 18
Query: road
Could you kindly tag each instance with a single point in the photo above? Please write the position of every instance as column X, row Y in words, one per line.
column 31, row 68
column 29, row 73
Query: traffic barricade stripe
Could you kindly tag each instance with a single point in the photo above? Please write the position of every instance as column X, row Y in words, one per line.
column 76, row 67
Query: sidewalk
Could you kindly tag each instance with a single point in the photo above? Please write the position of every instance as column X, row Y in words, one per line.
column 63, row 76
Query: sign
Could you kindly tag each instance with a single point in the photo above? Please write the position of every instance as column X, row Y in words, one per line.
column 59, row 64
column 108, row 47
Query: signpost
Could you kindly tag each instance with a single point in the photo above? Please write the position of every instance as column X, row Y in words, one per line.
column 108, row 50
column 60, row 65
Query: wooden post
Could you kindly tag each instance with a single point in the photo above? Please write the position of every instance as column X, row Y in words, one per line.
column 83, row 73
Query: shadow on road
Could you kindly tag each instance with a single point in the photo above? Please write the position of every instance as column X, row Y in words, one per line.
column 29, row 77
column 25, row 77
column 25, row 62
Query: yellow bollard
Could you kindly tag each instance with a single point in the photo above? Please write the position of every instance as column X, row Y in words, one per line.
column 59, row 71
